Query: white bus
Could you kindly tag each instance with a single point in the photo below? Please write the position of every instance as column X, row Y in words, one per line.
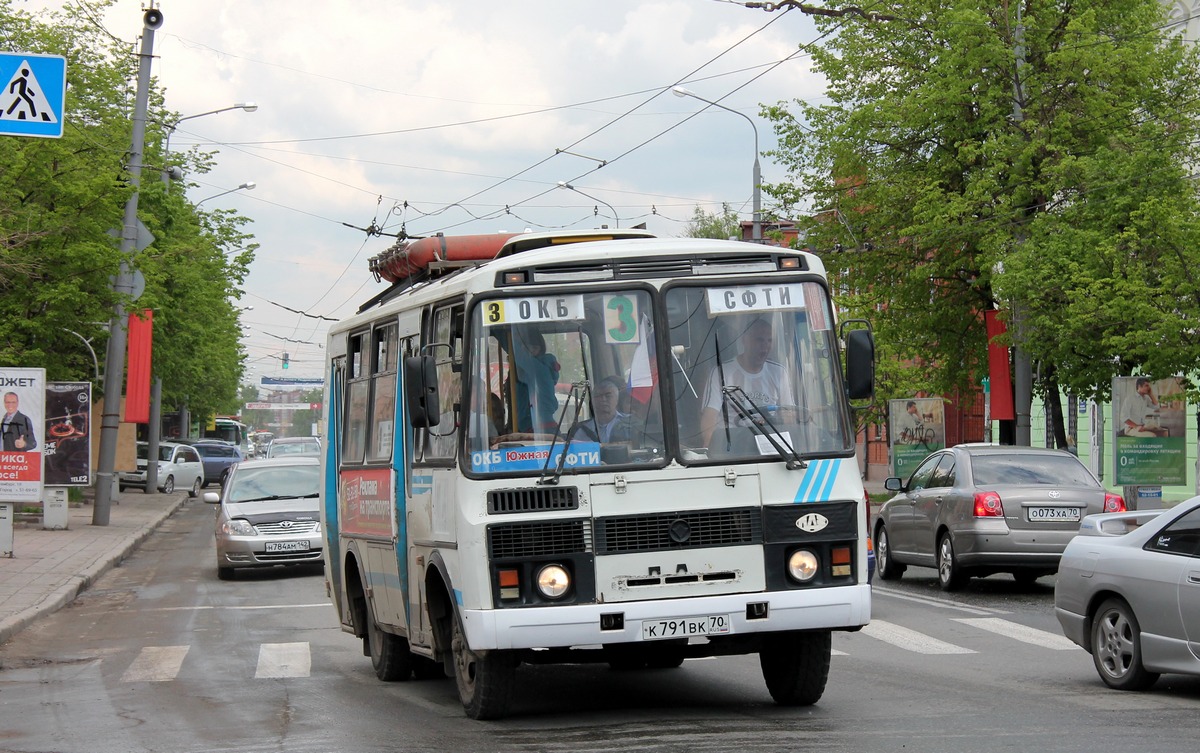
column 631, row 451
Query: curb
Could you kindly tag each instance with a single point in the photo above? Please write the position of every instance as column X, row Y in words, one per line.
column 68, row 592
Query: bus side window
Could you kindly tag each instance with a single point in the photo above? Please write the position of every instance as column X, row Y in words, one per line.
column 354, row 439
column 445, row 345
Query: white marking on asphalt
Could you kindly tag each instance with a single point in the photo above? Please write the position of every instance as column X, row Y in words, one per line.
column 1020, row 632
column 877, row 590
column 156, row 664
column 283, row 660
column 910, row 640
column 230, row 606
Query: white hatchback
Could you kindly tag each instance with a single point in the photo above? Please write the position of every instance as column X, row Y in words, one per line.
column 179, row 467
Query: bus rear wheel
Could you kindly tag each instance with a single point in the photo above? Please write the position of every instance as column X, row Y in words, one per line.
column 485, row 680
column 795, row 666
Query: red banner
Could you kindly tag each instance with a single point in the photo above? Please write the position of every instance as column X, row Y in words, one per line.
column 137, row 388
column 365, row 502
column 999, row 375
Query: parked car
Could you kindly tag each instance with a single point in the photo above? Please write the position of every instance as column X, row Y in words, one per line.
column 292, row 446
column 218, row 457
column 269, row 515
column 974, row 510
column 1128, row 592
column 179, row 466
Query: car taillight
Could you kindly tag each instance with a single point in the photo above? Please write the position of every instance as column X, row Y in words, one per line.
column 987, row 505
column 1114, row 503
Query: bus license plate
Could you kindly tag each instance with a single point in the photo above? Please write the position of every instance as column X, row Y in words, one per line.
column 685, row 627
column 1069, row 514
column 287, row 546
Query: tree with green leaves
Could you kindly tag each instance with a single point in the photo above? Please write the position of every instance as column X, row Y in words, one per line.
column 1033, row 157
column 721, row 226
column 61, row 200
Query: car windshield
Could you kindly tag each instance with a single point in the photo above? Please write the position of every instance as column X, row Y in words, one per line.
column 277, row 482
column 295, row 448
column 994, row 469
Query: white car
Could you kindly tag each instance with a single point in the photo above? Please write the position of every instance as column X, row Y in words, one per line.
column 179, row 467
column 1128, row 592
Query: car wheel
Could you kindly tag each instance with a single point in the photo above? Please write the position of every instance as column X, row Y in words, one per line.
column 1026, row 577
column 169, row 485
column 885, row 565
column 951, row 575
column 195, row 490
column 224, row 573
column 1117, row 647
column 485, row 680
column 389, row 653
column 795, row 666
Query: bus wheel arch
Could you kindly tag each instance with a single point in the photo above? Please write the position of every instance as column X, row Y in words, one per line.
column 440, row 605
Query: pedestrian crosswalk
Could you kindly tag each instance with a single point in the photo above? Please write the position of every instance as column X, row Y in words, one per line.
column 295, row 659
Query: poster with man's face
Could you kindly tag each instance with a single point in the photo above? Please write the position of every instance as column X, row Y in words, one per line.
column 21, row 433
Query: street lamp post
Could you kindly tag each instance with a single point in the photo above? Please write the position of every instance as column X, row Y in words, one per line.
column 569, row 187
column 756, row 233
column 166, row 173
column 248, row 186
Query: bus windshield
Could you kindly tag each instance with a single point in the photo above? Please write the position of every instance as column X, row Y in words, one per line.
column 556, row 375
column 754, row 372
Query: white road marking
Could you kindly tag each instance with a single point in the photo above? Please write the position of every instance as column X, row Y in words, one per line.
column 156, row 664
column 1020, row 632
column 232, row 607
column 284, row 660
column 877, row 590
column 910, row 640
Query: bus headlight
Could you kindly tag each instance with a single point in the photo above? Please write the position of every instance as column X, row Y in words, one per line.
column 802, row 565
column 553, row 581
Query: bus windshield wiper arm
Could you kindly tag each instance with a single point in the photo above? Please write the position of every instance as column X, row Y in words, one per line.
column 579, row 392
column 752, row 414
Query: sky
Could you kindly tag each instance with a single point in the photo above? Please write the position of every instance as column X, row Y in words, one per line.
column 456, row 117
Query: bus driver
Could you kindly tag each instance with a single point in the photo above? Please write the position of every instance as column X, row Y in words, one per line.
column 765, row 382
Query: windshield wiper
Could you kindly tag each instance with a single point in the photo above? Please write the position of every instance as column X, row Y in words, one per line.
column 752, row 414
column 579, row 391
column 274, row 497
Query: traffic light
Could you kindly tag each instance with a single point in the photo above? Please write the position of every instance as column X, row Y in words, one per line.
column 285, row 360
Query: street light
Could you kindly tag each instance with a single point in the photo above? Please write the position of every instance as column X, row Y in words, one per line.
column 248, row 185
column 167, row 172
column 756, row 234
column 569, row 187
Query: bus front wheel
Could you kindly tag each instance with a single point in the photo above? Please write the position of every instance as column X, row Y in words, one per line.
column 485, row 680
column 796, row 666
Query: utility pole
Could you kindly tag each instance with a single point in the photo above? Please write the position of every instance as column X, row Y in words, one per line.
column 1022, row 367
column 114, row 364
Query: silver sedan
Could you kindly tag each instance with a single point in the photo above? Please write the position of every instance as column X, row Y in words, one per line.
column 975, row 509
column 270, row 515
column 1128, row 592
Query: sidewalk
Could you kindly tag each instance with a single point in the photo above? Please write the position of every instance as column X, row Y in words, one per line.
column 49, row 569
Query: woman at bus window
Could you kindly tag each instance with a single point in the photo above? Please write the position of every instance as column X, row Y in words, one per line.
column 532, row 396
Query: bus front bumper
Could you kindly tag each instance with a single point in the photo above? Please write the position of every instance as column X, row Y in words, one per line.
column 837, row 608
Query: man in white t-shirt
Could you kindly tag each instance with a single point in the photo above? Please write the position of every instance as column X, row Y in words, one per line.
column 764, row 382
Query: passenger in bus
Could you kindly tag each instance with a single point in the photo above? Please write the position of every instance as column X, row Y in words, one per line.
column 481, row 429
column 608, row 423
column 763, row 381
column 531, row 397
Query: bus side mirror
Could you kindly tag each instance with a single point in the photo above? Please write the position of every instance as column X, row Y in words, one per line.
column 860, row 364
column 421, row 391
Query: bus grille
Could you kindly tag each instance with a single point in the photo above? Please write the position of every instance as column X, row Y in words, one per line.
column 679, row 530
column 537, row 539
column 503, row 501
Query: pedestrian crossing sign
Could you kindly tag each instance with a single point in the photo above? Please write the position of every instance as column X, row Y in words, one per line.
column 34, row 94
